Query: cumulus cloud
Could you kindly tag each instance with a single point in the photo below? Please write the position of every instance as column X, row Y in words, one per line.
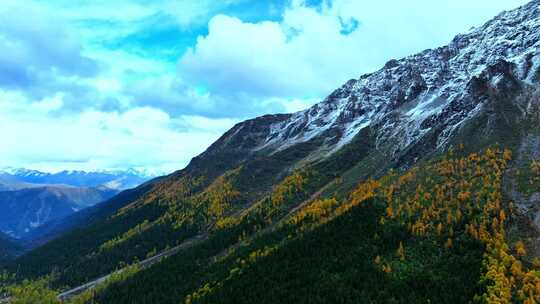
column 176, row 97
column 38, row 50
column 313, row 50
column 64, row 104
column 238, row 57
column 140, row 137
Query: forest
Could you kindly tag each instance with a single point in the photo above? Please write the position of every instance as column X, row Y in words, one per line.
column 439, row 232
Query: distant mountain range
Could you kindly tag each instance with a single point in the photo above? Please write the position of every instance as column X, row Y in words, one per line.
column 18, row 178
column 30, row 198
column 24, row 210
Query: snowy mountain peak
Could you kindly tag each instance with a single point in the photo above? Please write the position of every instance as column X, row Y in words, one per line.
column 435, row 89
column 116, row 179
column 21, row 172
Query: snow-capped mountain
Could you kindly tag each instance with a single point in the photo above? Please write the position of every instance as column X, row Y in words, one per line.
column 24, row 178
column 424, row 97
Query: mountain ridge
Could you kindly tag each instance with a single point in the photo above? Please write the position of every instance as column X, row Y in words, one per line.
column 114, row 179
column 481, row 90
column 421, row 90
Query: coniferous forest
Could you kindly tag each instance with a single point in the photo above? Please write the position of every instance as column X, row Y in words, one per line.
column 440, row 232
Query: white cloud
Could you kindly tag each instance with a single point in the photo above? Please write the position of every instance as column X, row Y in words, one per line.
column 34, row 136
column 106, row 84
column 308, row 54
column 238, row 57
column 39, row 52
column 189, row 12
column 289, row 105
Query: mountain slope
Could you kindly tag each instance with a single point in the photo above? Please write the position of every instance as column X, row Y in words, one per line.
column 427, row 235
column 481, row 89
column 426, row 98
column 9, row 248
column 411, row 236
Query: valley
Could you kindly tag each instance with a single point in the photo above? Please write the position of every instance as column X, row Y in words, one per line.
column 32, row 202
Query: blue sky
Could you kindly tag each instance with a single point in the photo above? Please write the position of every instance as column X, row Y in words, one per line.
column 151, row 83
